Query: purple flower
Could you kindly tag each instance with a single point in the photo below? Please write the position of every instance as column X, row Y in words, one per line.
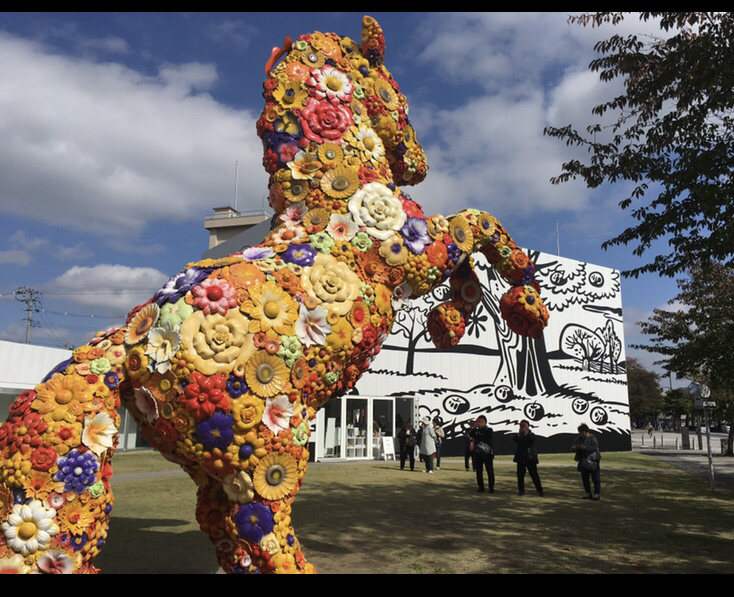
column 180, row 284
column 79, row 541
column 415, row 233
column 257, row 253
column 303, row 254
column 77, row 470
column 216, row 431
column 111, row 380
column 236, row 386
column 253, row 521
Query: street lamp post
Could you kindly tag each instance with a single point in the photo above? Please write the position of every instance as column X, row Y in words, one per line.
column 700, row 395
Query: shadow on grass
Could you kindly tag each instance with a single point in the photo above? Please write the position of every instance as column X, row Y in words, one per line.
column 373, row 518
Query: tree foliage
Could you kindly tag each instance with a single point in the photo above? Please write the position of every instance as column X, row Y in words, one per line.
column 671, row 135
column 645, row 395
column 696, row 340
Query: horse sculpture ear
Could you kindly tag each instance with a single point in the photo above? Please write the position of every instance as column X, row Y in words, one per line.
column 373, row 41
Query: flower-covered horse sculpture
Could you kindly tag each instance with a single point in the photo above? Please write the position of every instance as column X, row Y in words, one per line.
column 227, row 365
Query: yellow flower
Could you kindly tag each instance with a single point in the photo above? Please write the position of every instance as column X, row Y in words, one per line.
column 136, row 363
column 38, row 485
column 340, row 182
column 265, row 374
column 341, row 335
column 75, row 517
column 383, row 299
column 366, row 141
column 276, row 476
column 247, row 449
column 63, row 398
column 141, row 323
column 461, row 233
column 271, row 307
column 304, row 165
column 216, row 343
column 63, row 436
column 316, row 217
column 290, row 94
column 393, row 250
column 247, row 412
column 332, row 282
column 330, row 153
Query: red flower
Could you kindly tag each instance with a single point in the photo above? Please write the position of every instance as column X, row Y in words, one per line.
column 322, row 121
column 43, row 458
column 270, row 161
column 369, row 337
column 205, row 394
column 22, row 403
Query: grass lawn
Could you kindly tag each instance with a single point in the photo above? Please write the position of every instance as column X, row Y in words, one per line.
column 371, row 517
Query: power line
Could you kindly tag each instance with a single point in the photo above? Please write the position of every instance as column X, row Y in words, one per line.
column 31, row 298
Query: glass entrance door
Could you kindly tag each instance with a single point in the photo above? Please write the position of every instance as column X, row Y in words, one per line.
column 357, row 428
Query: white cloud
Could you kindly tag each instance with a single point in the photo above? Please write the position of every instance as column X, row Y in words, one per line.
column 110, row 288
column 15, row 257
column 104, row 149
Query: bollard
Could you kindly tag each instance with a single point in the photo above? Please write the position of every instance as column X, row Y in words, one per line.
column 662, row 440
column 676, row 444
column 653, row 442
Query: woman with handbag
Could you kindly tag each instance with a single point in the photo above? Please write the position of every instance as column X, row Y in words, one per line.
column 588, row 457
column 427, row 442
column 526, row 457
column 483, row 452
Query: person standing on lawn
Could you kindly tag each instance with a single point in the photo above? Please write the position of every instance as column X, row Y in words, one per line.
column 427, row 443
column 526, row 457
column 439, row 440
column 588, row 457
column 408, row 441
column 483, row 452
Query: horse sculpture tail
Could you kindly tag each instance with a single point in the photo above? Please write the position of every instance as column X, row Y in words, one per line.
column 521, row 306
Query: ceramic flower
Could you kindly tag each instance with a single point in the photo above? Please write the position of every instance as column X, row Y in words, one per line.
column 77, row 470
column 99, row 433
column 179, row 285
column 322, row 121
column 55, row 562
column 393, row 250
column 257, row 253
column 415, row 234
column 174, row 314
column 277, row 413
column 342, row 227
column 312, row 326
column 145, row 403
column 29, row 527
column 340, row 182
column 216, row 431
column 367, row 142
column 239, row 487
column 332, row 282
column 216, row 343
column 331, row 85
column 378, row 209
column 214, row 296
column 276, row 476
column 253, row 521
column 63, row 398
column 246, row 413
column 294, row 213
column 163, row 343
column 265, row 374
column 270, row 307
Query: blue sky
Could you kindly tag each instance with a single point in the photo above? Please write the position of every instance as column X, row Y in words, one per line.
column 120, row 133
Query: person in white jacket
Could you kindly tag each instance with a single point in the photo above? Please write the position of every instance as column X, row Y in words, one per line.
column 427, row 443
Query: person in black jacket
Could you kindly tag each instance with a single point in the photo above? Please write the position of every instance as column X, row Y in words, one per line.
column 588, row 457
column 408, row 441
column 483, row 452
column 526, row 457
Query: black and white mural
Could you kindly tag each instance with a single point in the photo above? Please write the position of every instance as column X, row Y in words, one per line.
column 574, row 374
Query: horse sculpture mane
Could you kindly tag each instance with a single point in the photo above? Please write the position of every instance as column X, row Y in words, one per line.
column 226, row 366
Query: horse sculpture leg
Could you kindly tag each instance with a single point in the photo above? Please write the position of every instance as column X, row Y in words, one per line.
column 55, row 459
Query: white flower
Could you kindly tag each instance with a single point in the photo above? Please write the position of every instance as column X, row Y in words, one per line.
column 13, row 565
column 99, row 433
column 312, row 327
column 342, row 227
column 270, row 543
column 277, row 414
column 162, row 346
column 146, row 404
column 239, row 487
column 29, row 527
column 331, row 84
column 55, row 562
column 378, row 209
column 294, row 214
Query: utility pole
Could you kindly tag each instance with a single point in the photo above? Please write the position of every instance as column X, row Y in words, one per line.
column 31, row 298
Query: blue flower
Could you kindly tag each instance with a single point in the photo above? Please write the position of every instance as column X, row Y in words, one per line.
column 236, row 386
column 254, row 521
column 415, row 233
column 77, row 470
column 216, row 431
column 303, row 254
column 180, row 284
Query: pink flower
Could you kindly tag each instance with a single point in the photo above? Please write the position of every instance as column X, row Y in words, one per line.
column 312, row 327
column 55, row 562
column 341, row 227
column 214, row 296
column 331, row 85
column 322, row 121
column 277, row 414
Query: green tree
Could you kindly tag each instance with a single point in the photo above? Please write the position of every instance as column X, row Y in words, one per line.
column 671, row 134
column 696, row 340
column 645, row 395
column 677, row 406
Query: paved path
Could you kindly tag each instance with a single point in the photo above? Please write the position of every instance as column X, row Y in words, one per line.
column 694, row 462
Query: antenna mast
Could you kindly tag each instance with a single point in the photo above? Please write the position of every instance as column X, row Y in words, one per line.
column 30, row 298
